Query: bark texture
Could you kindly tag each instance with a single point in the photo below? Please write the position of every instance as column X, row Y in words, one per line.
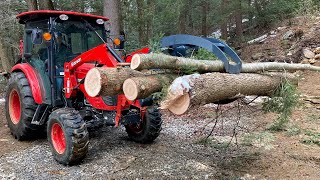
column 224, row 22
column 141, row 15
column 46, row 5
column 112, row 11
column 211, row 87
column 5, row 61
column 107, row 81
column 238, row 18
column 32, row 5
column 162, row 61
column 142, row 87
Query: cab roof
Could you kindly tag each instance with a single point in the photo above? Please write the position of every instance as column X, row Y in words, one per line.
column 45, row 14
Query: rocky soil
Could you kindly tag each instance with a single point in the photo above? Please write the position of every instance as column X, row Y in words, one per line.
column 295, row 40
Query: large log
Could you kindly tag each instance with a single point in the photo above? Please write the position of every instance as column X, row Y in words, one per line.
column 207, row 88
column 142, row 87
column 107, row 81
column 162, row 61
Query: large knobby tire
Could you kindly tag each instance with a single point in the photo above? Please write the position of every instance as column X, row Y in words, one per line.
column 68, row 136
column 147, row 130
column 20, row 108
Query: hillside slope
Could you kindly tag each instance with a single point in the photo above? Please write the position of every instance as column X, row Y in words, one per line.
column 286, row 42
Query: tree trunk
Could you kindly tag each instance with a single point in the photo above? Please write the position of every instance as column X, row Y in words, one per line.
column 4, row 59
column 162, row 61
column 112, row 11
column 183, row 18
column 238, row 17
column 107, row 81
column 151, row 6
column 224, row 22
column 140, row 5
column 204, row 19
column 142, row 87
column 45, row 5
column 190, row 30
column 207, row 88
column 32, row 5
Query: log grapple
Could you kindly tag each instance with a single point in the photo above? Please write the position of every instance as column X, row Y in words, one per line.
column 178, row 44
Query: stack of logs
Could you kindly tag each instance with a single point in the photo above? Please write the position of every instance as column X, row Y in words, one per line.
column 210, row 83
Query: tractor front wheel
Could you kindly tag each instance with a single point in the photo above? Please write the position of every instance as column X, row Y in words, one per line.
column 148, row 129
column 20, row 108
column 68, row 136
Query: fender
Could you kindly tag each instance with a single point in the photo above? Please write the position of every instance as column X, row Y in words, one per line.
column 32, row 79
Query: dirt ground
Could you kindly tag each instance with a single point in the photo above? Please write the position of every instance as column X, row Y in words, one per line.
column 181, row 152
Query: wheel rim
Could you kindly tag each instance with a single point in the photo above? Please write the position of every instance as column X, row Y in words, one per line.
column 138, row 127
column 14, row 106
column 58, row 138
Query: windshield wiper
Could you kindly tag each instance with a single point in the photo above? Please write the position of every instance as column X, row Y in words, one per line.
column 88, row 25
column 118, row 58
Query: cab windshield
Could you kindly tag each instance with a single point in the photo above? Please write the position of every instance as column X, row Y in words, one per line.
column 71, row 38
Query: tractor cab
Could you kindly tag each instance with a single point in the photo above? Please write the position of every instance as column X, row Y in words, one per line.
column 52, row 38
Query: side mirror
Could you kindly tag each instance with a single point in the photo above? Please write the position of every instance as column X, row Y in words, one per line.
column 107, row 28
column 36, row 36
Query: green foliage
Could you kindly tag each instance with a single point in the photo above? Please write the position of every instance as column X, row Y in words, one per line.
column 159, row 96
column 203, row 54
column 283, row 102
column 308, row 7
column 313, row 138
column 10, row 31
column 260, row 140
column 155, row 43
column 274, row 11
column 214, row 143
column 165, row 17
column 187, row 70
column 293, row 131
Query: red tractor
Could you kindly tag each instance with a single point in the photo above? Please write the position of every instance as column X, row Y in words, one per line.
column 46, row 92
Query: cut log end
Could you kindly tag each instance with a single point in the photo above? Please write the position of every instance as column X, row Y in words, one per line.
column 130, row 89
column 92, row 83
column 181, row 105
column 135, row 61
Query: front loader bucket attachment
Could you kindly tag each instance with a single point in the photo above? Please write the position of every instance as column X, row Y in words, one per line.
column 217, row 47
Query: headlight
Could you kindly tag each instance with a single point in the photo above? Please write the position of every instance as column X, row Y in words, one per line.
column 100, row 21
column 64, row 17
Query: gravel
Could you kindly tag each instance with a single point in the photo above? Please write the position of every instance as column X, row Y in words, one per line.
column 174, row 155
column 113, row 156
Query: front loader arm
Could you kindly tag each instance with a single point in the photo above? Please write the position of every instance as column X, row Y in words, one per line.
column 100, row 55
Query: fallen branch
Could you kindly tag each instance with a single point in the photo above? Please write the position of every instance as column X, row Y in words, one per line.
column 162, row 61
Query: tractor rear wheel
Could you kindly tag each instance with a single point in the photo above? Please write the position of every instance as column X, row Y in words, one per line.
column 68, row 136
column 148, row 129
column 20, row 108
